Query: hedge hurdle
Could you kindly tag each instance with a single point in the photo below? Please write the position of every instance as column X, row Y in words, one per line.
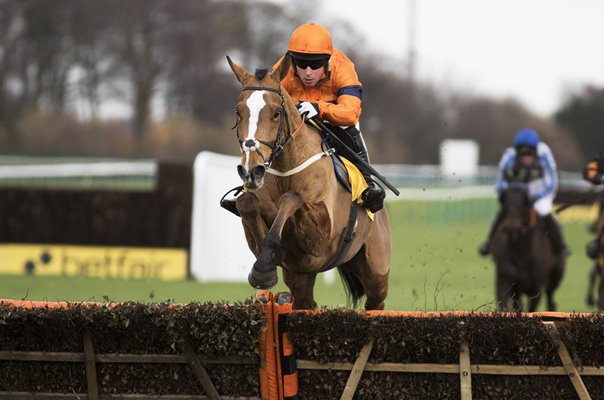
column 264, row 350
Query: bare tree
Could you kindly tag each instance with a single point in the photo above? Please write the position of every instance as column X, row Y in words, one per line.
column 11, row 41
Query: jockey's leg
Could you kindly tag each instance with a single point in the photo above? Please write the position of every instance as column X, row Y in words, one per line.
column 373, row 197
column 485, row 248
column 543, row 207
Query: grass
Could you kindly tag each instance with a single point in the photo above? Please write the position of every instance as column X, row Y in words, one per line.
column 435, row 267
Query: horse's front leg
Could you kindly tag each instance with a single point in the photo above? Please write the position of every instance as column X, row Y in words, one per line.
column 600, row 290
column 503, row 290
column 593, row 275
column 301, row 287
column 254, row 226
column 264, row 271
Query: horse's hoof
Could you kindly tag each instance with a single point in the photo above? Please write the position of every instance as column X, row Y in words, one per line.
column 263, row 279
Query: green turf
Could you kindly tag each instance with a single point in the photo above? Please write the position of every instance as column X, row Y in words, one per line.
column 435, row 267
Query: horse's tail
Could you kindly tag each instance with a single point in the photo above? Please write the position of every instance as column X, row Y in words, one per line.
column 352, row 286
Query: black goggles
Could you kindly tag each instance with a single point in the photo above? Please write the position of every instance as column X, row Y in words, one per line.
column 526, row 151
column 313, row 64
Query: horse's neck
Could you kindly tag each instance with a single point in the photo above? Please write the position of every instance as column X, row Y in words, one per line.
column 305, row 144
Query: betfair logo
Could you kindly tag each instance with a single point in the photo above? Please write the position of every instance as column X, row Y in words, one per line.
column 114, row 262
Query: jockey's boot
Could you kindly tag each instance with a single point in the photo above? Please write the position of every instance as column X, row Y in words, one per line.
column 373, row 197
column 554, row 231
column 230, row 205
column 485, row 248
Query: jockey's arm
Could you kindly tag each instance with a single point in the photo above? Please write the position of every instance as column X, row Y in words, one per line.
column 347, row 109
column 506, row 162
column 549, row 182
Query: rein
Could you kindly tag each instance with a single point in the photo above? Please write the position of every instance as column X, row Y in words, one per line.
column 279, row 144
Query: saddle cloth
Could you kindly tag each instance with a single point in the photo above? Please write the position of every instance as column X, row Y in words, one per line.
column 356, row 181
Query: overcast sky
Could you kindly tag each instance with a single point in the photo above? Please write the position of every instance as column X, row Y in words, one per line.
column 533, row 50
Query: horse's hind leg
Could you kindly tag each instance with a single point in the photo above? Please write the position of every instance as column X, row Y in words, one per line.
column 533, row 302
column 361, row 279
column 593, row 275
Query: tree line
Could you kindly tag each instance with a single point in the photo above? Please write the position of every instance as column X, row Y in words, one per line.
column 62, row 60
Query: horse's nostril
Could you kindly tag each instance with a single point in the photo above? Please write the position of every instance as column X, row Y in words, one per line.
column 241, row 172
column 259, row 172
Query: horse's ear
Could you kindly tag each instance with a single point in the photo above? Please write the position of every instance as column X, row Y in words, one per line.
column 241, row 73
column 283, row 67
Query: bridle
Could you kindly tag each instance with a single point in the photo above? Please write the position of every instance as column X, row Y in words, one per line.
column 283, row 138
column 526, row 210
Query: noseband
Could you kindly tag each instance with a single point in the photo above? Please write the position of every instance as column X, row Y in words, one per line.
column 279, row 144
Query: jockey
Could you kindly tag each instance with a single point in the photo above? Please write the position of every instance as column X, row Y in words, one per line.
column 530, row 161
column 594, row 173
column 324, row 83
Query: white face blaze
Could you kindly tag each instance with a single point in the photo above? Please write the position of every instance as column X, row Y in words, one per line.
column 255, row 103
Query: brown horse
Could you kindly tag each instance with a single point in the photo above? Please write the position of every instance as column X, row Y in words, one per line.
column 294, row 212
column 523, row 254
column 598, row 268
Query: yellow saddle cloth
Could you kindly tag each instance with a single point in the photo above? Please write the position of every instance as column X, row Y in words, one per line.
column 357, row 183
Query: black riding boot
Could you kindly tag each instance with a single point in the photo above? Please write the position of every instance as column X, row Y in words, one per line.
column 485, row 248
column 554, row 231
column 373, row 197
column 231, row 204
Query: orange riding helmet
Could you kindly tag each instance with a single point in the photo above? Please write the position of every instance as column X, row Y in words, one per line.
column 310, row 41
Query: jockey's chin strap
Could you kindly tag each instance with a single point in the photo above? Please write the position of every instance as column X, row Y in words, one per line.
column 279, row 144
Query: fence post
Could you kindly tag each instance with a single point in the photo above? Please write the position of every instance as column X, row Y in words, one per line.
column 90, row 361
column 567, row 362
column 357, row 371
column 465, row 371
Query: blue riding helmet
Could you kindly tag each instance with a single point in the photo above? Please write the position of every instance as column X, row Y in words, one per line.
column 526, row 138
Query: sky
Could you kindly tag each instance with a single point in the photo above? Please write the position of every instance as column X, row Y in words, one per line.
column 532, row 50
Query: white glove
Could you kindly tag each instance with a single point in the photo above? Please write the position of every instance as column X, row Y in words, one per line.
column 310, row 109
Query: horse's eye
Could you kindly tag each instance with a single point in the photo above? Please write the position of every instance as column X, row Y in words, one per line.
column 237, row 113
column 277, row 114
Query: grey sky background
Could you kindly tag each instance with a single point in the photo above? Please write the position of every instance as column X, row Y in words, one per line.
column 532, row 50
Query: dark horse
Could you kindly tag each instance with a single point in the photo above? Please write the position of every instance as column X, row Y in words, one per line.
column 293, row 210
column 598, row 268
column 523, row 254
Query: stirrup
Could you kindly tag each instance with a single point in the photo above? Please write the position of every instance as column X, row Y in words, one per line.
column 230, row 204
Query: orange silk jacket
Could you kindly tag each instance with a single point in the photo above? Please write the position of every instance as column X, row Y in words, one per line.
column 338, row 94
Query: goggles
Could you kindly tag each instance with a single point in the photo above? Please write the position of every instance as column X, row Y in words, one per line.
column 526, row 151
column 313, row 64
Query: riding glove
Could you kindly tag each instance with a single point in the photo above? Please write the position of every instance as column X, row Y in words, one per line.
column 310, row 109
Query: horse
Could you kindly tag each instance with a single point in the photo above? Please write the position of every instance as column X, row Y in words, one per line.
column 523, row 254
column 294, row 213
column 598, row 268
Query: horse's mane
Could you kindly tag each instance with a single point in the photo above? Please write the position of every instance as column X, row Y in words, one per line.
column 261, row 73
